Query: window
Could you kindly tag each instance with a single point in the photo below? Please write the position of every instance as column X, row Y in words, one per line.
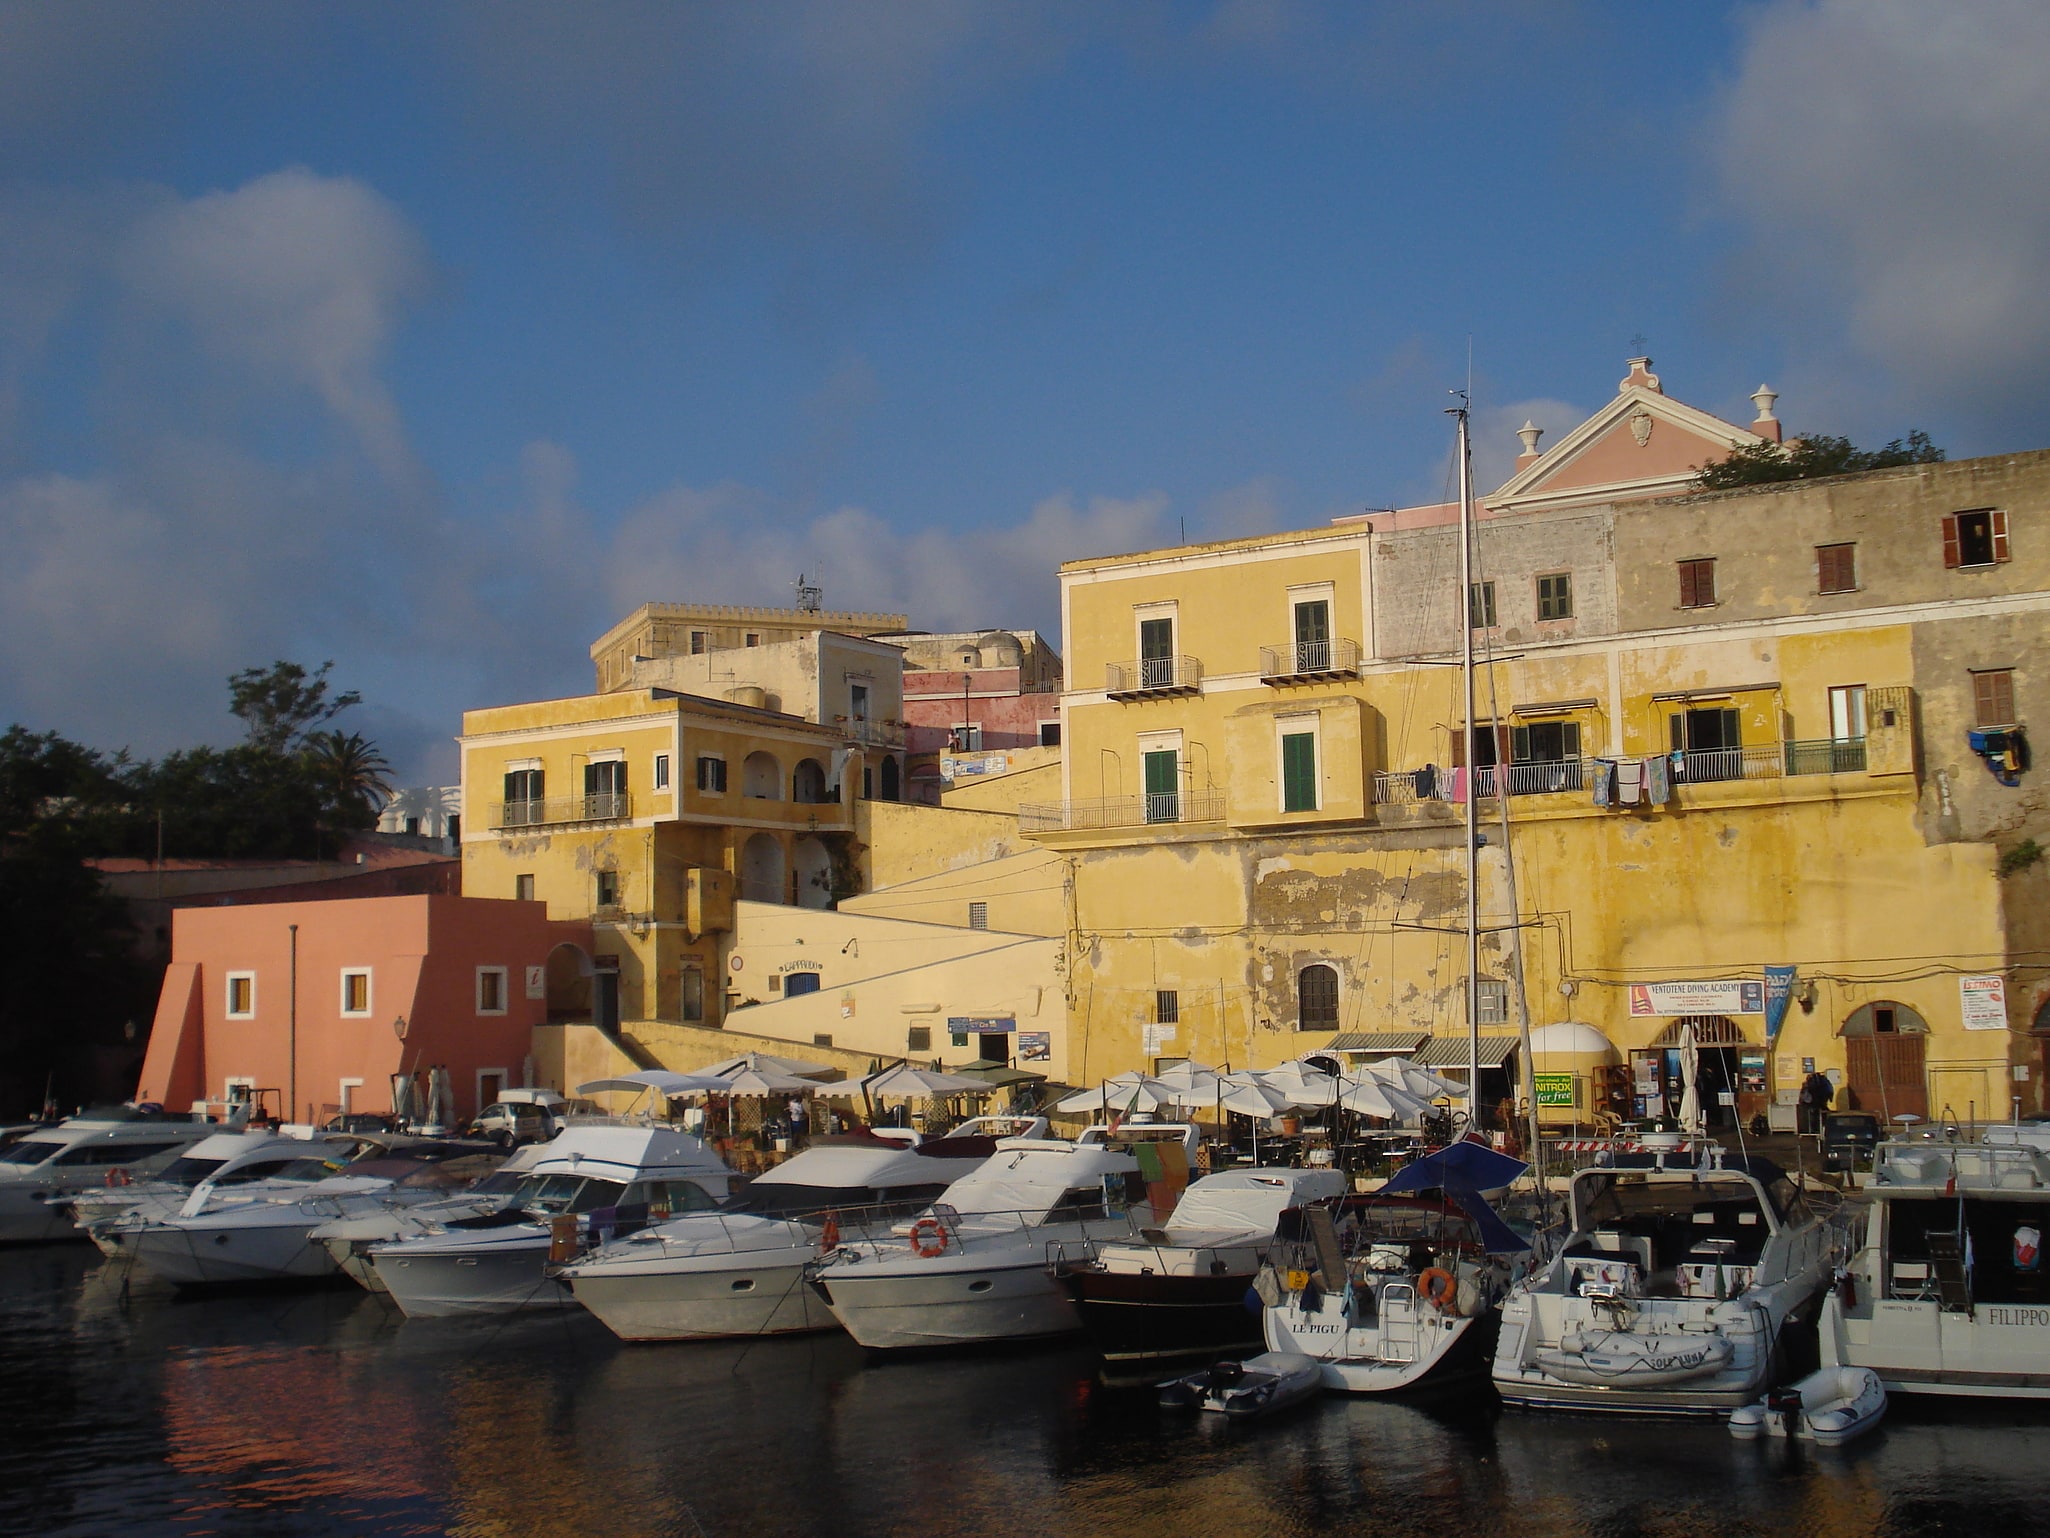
column 608, row 888
column 1156, row 653
column 1299, row 772
column 1313, row 636
column 691, row 993
column 1163, row 785
column 1316, row 993
column 698, row 643
column 978, row 915
column 605, row 787
column 967, row 739
column 712, row 776
column 1480, row 606
column 918, row 1038
column 1491, row 1000
column 822, row 1039
column 523, row 888
column 1993, row 696
column 1167, row 1006
column 1836, row 568
column 1974, row 539
column 491, row 990
column 1712, row 740
column 1545, row 742
column 1049, row 734
column 661, row 771
column 523, row 784
column 455, row 827
column 1555, row 596
column 799, row 983
column 413, row 826
column 241, row 995
column 857, row 702
column 753, row 638
column 1697, row 584
column 356, row 993
column 1847, row 712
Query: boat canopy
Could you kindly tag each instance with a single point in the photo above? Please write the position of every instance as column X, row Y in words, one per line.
column 1462, row 1171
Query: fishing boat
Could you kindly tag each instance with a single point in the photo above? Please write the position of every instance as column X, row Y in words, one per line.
column 1676, row 1290
column 1180, row 1290
column 1946, row 1292
column 1399, row 1290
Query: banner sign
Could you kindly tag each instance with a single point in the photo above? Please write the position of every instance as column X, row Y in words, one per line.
column 1553, row 1088
column 982, row 1025
column 1983, row 1001
column 1035, row 1046
column 1738, row 996
column 952, row 769
column 1779, row 989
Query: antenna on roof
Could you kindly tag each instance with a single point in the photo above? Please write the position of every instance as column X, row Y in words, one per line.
column 808, row 594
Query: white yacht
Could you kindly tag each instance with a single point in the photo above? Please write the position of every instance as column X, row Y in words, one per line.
column 228, row 1159
column 740, row 1270
column 1399, row 1290
column 496, row 1262
column 42, row 1171
column 1945, row 1293
column 1673, row 1290
column 350, row 1239
column 259, row 1232
column 979, row 1265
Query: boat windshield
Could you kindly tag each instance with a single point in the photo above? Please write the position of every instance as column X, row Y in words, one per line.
column 498, row 1183
column 28, row 1151
column 567, row 1193
column 189, row 1171
column 304, row 1169
column 1611, row 1200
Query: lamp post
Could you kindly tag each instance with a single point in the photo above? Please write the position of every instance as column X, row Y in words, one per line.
column 292, row 1039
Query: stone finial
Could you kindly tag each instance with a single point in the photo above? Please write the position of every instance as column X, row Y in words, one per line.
column 1767, row 425
column 1529, row 432
column 1641, row 377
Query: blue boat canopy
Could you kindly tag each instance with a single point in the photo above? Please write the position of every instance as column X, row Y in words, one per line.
column 1462, row 1171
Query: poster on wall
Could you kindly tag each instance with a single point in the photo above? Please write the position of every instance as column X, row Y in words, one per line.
column 1554, row 1088
column 1035, row 1046
column 1983, row 1002
column 1734, row 996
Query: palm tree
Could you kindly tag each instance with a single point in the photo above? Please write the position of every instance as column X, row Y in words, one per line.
column 350, row 770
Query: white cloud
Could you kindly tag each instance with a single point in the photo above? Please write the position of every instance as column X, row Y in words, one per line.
column 1887, row 157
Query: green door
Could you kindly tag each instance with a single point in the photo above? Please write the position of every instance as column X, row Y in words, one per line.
column 1313, row 637
column 1299, row 772
column 1163, row 786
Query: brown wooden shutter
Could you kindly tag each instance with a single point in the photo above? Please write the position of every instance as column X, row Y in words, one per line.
column 1998, row 520
column 1688, row 599
column 1951, row 557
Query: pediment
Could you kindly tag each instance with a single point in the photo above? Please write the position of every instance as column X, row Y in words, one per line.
column 1641, row 443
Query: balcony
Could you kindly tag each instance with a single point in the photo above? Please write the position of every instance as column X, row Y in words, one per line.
column 1121, row 812
column 558, row 811
column 1151, row 676
column 1763, row 761
column 871, row 731
column 1309, row 661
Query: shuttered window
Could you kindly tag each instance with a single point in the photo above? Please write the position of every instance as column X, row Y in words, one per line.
column 1836, row 568
column 1993, row 697
column 1975, row 539
column 1317, row 999
column 1299, row 772
column 1555, row 596
column 1697, row 583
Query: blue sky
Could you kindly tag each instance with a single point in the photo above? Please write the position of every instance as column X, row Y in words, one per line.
column 432, row 339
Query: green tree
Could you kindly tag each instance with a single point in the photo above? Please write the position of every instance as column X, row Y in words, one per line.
column 351, row 772
column 1809, row 459
column 280, row 704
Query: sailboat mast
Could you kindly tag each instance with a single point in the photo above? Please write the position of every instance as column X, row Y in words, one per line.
column 1473, row 789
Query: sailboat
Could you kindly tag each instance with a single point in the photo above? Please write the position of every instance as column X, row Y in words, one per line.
column 1402, row 1289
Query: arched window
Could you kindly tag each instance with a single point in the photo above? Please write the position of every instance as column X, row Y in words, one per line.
column 762, row 777
column 1316, row 995
column 808, row 783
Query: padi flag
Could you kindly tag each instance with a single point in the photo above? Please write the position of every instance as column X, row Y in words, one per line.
column 1779, row 989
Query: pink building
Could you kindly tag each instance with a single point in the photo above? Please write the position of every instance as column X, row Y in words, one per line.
column 325, row 1002
column 978, row 691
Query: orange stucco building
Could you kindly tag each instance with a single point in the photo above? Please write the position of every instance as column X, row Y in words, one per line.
column 325, row 1002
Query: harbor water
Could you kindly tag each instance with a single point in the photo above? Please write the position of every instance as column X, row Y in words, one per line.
column 126, row 1409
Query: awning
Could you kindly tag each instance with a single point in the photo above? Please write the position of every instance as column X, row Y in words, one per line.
column 1456, row 1051
column 1378, row 1041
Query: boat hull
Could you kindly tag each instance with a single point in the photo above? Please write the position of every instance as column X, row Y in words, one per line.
column 1996, row 1351
column 1262, row 1385
column 898, row 1308
column 1829, row 1407
column 1135, row 1320
column 501, row 1278
column 227, row 1255
column 754, row 1295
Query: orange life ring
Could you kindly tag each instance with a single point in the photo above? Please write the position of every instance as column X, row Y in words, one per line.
column 1439, row 1286
column 117, row 1176
column 928, row 1237
column 829, row 1236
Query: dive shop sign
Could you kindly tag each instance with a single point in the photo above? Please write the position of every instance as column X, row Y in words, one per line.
column 1736, row 996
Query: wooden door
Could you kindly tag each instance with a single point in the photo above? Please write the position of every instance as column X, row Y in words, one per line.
column 1885, row 1075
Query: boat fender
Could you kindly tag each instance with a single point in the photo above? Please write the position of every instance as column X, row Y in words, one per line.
column 829, row 1235
column 1440, row 1287
column 117, row 1176
column 928, row 1238
column 1847, row 1289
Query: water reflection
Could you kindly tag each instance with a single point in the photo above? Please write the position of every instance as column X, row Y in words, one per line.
column 124, row 1409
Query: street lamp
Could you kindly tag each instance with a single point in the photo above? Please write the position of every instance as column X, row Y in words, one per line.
column 292, row 1058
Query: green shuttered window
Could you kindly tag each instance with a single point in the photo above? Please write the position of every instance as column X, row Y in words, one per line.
column 1299, row 772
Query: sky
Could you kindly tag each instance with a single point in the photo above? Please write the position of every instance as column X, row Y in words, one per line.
column 433, row 339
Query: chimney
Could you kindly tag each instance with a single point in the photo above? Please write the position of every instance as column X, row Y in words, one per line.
column 1767, row 425
column 1529, row 432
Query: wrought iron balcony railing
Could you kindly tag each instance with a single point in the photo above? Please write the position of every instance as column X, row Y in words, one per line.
column 1762, row 761
column 1337, row 658
column 1154, row 675
column 611, row 806
column 1121, row 812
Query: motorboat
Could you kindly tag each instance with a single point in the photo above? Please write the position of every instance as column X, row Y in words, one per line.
column 1398, row 1290
column 259, row 1232
column 740, row 1270
column 246, row 1157
column 1828, row 1407
column 1945, row 1292
column 350, row 1239
column 1260, row 1385
column 1179, row 1291
column 42, row 1171
column 978, row 1266
column 1675, row 1291
column 592, row 1179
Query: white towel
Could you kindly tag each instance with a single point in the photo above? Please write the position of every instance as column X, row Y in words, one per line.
column 1629, row 782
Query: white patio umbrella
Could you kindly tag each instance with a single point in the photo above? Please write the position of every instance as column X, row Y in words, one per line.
column 661, row 1081
column 1304, row 1086
column 1250, row 1095
column 764, row 1082
column 918, row 1083
column 1127, row 1091
column 1690, row 1080
column 1407, row 1076
column 1191, row 1084
column 765, row 1060
column 1373, row 1096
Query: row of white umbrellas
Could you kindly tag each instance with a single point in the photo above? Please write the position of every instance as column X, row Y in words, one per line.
column 762, row 1074
column 1394, row 1089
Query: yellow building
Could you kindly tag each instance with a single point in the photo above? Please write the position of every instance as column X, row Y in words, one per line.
column 1736, row 729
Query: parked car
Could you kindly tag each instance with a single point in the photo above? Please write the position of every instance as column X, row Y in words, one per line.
column 1848, row 1138
column 510, row 1123
column 360, row 1121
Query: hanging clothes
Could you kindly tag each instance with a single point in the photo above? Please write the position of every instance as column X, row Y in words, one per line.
column 1457, row 789
column 1658, row 780
column 1629, row 781
column 1426, row 783
column 1604, row 775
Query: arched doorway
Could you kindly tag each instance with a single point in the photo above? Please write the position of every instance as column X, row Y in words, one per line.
column 567, row 983
column 761, row 777
column 1885, row 1061
column 1719, row 1045
column 761, row 870
column 808, row 783
column 813, row 863
column 893, row 785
